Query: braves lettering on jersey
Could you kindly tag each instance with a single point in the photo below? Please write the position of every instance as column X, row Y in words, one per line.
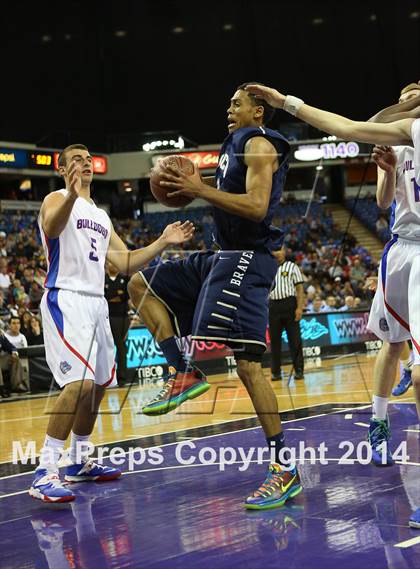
column 76, row 259
column 405, row 213
column 234, row 232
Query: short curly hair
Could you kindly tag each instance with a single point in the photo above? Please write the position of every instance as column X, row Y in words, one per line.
column 268, row 109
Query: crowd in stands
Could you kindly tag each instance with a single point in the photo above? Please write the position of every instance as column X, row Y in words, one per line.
column 334, row 268
column 367, row 210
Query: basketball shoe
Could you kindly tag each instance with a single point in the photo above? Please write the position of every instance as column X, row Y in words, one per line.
column 414, row 521
column 90, row 471
column 404, row 384
column 379, row 435
column 278, row 487
column 179, row 387
column 48, row 487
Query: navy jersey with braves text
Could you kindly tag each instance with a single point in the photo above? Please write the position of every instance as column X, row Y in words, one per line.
column 234, row 232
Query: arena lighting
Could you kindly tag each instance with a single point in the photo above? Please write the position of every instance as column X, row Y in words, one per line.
column 309, row 153
column 150, row 146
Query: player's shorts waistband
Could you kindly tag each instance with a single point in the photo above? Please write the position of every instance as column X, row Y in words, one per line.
column 77, row 292
column 403, row 238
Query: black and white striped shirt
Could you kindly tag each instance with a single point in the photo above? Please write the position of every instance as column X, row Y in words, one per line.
column 287, row 277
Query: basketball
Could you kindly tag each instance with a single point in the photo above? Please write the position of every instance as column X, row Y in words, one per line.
column 161, row 192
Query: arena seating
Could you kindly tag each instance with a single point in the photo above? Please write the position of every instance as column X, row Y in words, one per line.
column 368, row 212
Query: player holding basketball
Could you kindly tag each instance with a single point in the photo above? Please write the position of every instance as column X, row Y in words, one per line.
column 401, row 286
column 77, row 237
column 395, row 187
column 223, row 296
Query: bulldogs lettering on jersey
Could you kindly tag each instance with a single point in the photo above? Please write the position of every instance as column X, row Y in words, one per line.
column 76, row 259
column 234, row 232
column 405, row 214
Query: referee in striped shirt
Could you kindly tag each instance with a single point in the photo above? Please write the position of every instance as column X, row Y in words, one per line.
column 286, row 309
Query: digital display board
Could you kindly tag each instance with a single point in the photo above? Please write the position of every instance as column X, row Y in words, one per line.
column 326, row 151
column 142, row 349
column 349, row 327
column 42, row 160
column 204, row 159
column 325, row 329
column 10, row 158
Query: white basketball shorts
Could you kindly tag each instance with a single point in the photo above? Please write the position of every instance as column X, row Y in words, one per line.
column 395, row 312
column 78, row 338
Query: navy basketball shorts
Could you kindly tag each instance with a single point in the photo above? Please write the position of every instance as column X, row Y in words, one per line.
column 221, row 296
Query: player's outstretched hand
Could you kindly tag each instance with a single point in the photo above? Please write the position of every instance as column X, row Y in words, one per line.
column 178, row 232
column 188, row 185
column 272, row 96
column 74, row 175
column 385, row 158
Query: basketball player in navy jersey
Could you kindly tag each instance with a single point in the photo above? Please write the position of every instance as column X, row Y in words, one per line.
column 223, row 296
column 401, row 126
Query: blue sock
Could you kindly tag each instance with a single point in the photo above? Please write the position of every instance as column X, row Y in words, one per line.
column 278, row 443
column 173, row 354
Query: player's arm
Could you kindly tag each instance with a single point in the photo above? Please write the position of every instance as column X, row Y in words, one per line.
column 407, row 109
column 386, row 160
column 128, row 262
column 398, row 132
column 260, row 156
column 300, row 299
column 56, row 208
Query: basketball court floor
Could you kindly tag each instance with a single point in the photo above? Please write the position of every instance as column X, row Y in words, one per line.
column 167, row 513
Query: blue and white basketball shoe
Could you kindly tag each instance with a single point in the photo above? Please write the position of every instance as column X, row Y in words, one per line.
column 414, row 521
column 48, row 487
column 405, row 383
column 90, row 471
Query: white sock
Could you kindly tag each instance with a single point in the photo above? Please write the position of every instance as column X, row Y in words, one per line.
column 50, row 453
column 379, row 407
column 407, row 364
column 79, row 450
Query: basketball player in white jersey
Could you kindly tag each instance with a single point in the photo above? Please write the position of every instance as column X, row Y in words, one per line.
column 401, row 298
column 77, row 238
column 394, row 187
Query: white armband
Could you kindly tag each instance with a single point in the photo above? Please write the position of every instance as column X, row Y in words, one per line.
column 292, row 104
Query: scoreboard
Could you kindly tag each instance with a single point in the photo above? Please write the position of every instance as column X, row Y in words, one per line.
column 42, row 160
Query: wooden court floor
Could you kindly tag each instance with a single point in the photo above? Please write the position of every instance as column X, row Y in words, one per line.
column 346, row 379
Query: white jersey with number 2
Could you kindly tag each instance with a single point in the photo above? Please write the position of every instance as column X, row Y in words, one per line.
column 76, row 259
